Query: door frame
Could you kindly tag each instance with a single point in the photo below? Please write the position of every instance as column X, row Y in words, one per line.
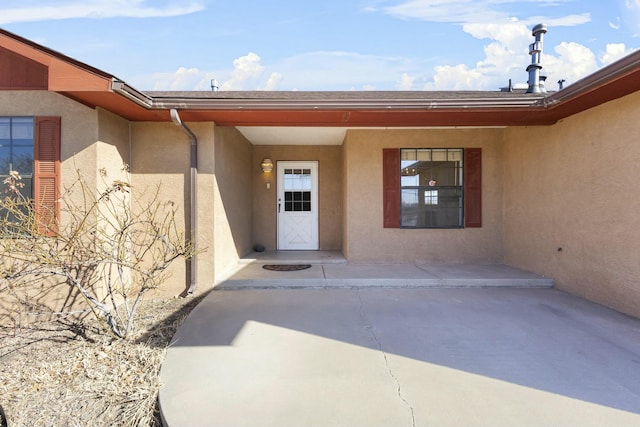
column 315, row 207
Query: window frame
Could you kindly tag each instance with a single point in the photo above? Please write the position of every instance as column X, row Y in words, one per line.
column 423, row 189
column 24, row 174
column 47, row 135
column 472, row 187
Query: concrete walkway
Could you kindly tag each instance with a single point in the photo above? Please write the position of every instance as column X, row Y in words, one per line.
column 330, row 269
column 402, row 356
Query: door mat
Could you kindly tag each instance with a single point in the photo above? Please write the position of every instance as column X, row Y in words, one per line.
column 286, row 267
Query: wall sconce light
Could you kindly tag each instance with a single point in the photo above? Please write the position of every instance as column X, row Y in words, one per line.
column 267, row 165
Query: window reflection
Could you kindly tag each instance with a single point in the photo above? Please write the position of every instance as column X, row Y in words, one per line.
column 297, row 190
column 432, row 192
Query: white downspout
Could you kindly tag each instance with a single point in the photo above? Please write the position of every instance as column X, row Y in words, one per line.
column 193, row 198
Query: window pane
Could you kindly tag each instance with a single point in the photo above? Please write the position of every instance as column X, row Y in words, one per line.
column 22, row 128
column 431, row 208
column 23, row 159
column 5, row 129
column 408, row 154
column 297, row 179
column 431, row 188
column 5, row 159
column 16, row 149
column 297, row 201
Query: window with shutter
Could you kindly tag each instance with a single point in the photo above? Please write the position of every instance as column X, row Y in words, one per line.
column 432, row 188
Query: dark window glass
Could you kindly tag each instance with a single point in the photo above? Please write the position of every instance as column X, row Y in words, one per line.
column 16, row 154
column 16, row 150
column 432, row 188
column 297, row 201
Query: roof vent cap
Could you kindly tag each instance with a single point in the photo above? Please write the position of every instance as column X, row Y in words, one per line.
column 535, row 50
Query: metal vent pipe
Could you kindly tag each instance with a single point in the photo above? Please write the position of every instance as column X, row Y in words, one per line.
column 535, row 50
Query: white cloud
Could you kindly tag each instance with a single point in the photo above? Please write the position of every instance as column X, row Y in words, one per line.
column 96, row 9
column 246, row 69
column 273, row 81
column 614, row 51
column 573, row 62
column 479, row 11
column 455, row 77
column 182, row 79
column 506, row 53
column 458, row 11
column 321, row 70
column 248, row 73
column 506, row 56
column 406, row 82
column 615, row 25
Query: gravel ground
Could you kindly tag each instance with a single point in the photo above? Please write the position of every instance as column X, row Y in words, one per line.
column 68, row 373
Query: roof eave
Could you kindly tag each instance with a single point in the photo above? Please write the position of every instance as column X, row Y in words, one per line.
column 132, row 94
column 620, row 69
column 337, row 104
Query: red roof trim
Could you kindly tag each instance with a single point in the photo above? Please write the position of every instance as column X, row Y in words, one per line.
column 94, row 87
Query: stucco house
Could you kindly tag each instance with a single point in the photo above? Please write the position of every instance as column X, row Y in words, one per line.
column 540, row 181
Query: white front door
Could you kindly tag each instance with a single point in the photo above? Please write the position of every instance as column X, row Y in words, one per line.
column 298, row 205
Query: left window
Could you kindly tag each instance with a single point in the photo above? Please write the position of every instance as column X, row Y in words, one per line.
column 17, row 142
column 30, row 146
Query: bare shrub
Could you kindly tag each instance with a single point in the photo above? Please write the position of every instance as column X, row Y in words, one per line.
column 109, row 249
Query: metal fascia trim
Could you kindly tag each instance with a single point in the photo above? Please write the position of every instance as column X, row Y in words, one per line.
column 607, row 74
column 123, row 89
column 419, row 104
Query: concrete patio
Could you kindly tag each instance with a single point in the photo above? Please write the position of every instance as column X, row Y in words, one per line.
column 405, row 354
column 330, row 269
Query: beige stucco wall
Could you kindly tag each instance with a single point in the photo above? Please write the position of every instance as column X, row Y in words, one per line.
column 330, row 184
column 233, row 199
column 91, row 139
column 79, row 127
column 365, row 238
column 160, row 156
column 112, row 148
column 574, row 186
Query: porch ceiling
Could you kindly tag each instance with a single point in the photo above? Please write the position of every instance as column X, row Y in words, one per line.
column 280, row 135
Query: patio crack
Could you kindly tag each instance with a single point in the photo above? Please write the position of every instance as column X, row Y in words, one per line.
column 369, row 327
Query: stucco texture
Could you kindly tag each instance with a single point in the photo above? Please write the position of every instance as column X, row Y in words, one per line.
column 94, row 142
column 233, row 204
column 366, row 241
column 572, row 203
column 79, row 128
column 160, row 157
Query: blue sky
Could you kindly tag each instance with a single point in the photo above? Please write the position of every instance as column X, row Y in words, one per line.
column 330, row 44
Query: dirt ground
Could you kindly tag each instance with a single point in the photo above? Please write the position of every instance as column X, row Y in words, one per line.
column 66, row 372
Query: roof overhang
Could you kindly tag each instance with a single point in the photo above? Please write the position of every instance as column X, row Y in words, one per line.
column 391, row 109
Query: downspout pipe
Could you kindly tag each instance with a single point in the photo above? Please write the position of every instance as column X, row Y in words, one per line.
column 193, row 198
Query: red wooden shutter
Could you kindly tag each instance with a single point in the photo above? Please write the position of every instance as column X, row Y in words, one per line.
column 391, row 187
column 473, row 187
column 46, row 175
